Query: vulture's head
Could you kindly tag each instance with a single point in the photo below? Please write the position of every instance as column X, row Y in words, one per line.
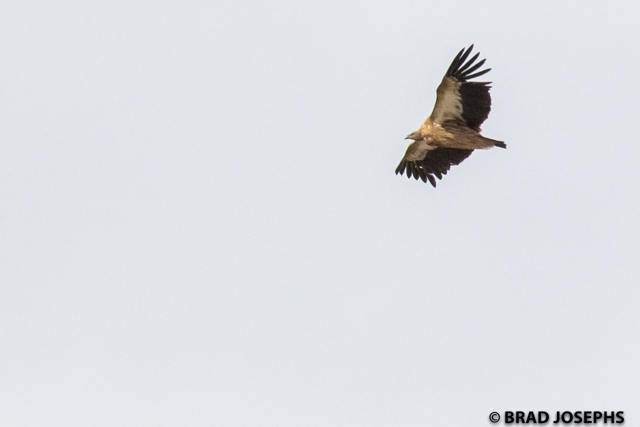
column 415, row 136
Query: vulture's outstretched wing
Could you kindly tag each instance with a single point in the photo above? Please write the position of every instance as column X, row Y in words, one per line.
column 461, row 100
column 436, row 162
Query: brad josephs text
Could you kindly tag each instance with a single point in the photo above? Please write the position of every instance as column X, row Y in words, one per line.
column 566, row 417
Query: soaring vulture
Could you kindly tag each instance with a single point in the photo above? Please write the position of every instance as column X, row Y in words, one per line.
column 452, row 131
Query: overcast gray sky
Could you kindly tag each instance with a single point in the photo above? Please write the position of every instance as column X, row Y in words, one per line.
column 200, row 223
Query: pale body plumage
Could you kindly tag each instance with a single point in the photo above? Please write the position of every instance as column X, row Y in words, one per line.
column 452, row 131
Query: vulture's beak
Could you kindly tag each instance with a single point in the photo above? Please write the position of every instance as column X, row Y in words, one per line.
column 412, row 135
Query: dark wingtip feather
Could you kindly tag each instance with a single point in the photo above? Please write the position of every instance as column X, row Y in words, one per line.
column 435, row 164
column 464, row 56
column 454, row 63
column 478, row 74
column 463, row 69
column 465, row 73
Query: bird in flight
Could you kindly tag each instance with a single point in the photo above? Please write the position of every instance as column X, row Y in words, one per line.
column 452, row 131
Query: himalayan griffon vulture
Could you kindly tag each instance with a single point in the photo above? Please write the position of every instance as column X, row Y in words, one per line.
column 452, row 131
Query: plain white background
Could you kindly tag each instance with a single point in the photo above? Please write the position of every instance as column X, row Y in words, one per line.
column 200, row 223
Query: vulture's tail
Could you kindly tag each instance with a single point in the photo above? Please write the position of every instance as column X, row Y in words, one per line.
column 500, row 144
